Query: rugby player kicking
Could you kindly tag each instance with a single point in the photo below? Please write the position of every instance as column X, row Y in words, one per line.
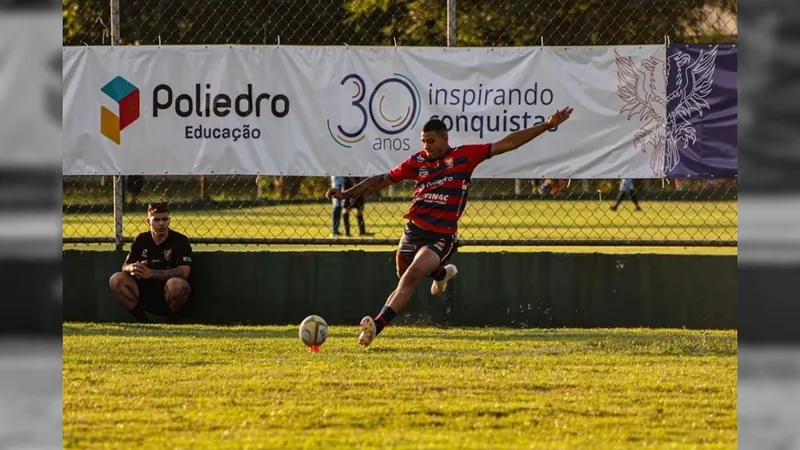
column 442, row 176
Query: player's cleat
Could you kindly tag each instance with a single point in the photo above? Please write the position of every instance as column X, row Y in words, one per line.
column 440, row 286
column 368, row 331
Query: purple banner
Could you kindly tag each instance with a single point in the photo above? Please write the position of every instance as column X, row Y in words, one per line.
column 701, row 111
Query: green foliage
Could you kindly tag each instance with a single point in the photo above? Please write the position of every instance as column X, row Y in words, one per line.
column 558, row 22
column 206, row 22
column 406, row 22
column 86, row 22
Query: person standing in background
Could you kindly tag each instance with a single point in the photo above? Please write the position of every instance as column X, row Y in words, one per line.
column 336, row 214
column 134, row 185
column 350, row 204
column 626, row 187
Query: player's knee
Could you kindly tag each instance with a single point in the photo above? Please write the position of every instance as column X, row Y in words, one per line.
column 176, row 293
column 176, row 303
column 176, row 288
column 118, row 280
column 435, row 272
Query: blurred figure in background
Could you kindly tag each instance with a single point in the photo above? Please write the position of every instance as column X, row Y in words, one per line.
column 357, row 204
column 134, row 185
column 336, row 214
column 342, row 208
column 550, row 187
column 626, row 187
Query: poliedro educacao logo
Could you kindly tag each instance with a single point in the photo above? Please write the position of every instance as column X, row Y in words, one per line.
column 127, row 98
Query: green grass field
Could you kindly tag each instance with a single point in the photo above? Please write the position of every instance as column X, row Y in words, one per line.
column 483, row 220
column 197, row 387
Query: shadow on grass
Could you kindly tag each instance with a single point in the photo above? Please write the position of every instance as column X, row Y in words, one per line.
column 161, row 330
column 560, row 334
column 632, row 337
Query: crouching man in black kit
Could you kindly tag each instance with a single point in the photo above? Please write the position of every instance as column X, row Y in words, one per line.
column 155, row 275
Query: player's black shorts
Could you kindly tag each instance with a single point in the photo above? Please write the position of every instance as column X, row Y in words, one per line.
column 415, row 238
column 354, row 203
column 152, row 297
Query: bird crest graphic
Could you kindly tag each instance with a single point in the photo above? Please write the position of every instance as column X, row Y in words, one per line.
column 663, row 134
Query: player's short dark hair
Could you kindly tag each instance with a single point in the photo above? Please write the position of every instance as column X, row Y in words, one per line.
column 435, row 125
column 160, row 207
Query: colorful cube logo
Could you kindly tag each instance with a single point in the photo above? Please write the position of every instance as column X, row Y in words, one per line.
column 126, row 95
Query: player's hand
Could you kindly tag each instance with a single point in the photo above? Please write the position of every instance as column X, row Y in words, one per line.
column 559, row 117
column 334, row 193
column 131, row 270
column 141, row 271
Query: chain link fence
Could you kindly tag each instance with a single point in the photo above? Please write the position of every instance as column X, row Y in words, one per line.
column 292, row 210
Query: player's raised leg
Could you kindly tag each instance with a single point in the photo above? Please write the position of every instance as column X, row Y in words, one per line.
column 442, row 276
column 445, row 272
column 425, row 262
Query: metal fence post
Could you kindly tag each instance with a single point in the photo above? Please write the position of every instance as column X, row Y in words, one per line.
column 119, row 198
column 451, row 23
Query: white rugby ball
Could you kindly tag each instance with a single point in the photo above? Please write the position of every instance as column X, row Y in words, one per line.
column 313, row 331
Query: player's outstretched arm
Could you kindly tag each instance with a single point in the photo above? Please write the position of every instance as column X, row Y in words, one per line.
column 369, row 186
column 519, row 138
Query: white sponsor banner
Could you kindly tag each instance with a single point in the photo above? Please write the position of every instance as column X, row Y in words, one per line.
column 358, row 110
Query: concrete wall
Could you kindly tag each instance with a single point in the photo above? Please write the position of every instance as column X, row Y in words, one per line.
column 498, row 289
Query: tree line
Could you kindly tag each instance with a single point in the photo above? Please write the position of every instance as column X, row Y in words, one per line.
column 400, row 22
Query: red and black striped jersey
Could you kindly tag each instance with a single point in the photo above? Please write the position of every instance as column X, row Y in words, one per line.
column 440, row 195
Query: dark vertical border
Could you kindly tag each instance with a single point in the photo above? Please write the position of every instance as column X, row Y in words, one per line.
column 769, row 224
column 30, row 224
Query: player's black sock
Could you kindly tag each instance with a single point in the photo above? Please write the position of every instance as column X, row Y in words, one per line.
column 438, row 274
column 383, row 319
column 138, row 313
column 346, row 219
column 336, row 216
column 362, row 227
